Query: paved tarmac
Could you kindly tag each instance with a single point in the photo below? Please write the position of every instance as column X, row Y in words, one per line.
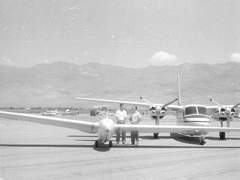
column 31, row 151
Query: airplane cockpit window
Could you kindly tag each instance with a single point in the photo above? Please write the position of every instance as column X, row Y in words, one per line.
column 202, row 110
column 190, row 110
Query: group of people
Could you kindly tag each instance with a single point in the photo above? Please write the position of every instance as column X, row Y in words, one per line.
column 121, row 118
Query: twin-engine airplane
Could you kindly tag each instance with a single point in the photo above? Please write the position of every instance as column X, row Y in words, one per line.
column 193, row 121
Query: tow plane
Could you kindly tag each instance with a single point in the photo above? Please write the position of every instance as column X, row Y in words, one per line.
column 193, row 120
column 195, row 116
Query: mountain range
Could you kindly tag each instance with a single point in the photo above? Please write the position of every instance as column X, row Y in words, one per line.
column 57, row 84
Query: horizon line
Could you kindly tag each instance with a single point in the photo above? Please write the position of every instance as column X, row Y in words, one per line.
column 122, row 66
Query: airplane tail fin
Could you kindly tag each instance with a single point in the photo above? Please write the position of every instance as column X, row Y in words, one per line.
column 179, row 91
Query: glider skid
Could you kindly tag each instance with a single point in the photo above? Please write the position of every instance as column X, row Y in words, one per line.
column 98, row 143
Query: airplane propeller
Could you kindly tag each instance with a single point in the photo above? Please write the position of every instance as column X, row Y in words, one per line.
column 235, row 106
column 157, row 111
column 169, row 103
column 160, row 110
column 225, row 113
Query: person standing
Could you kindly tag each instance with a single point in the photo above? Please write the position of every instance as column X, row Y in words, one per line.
column 135, row 119
column 121, row 116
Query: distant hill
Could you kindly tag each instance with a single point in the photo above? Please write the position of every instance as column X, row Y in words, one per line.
column 56, row 84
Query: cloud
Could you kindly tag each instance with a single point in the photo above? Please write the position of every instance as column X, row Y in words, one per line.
column 235, row 57
column 6, row 61
column 46, row 61
column 162, row 58
column 71, row 8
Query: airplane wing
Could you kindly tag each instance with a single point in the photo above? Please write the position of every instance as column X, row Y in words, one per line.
column 173, row 129
column 89, row 127
column 114, row 101
column 211, row 110
column 215, row 108
column 146, row 104
column 175, row 108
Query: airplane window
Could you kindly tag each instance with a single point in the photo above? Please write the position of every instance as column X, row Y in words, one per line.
column 190, row 110
column 202, row 110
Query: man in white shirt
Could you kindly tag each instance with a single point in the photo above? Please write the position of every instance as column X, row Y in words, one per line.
column 121, row 116
column 135, row 119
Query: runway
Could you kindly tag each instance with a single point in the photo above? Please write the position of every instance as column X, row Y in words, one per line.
column 32, row 151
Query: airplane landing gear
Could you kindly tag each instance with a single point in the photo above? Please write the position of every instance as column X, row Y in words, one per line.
column 155, row 135
column 110, row 143
column 202, row 141
column 222, row 135
column 96, row 144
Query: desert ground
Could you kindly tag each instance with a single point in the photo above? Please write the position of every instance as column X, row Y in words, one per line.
column 31, row 151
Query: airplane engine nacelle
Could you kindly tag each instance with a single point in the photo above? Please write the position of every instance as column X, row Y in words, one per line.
column 233, row 112
column 157, row 112
column 223, row 114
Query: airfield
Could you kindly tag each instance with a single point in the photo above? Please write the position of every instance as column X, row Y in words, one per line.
column 32, row 151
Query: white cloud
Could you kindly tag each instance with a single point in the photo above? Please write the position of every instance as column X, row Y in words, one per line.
column 71, row 8
column 6, row 61
column 45, row 61
column 162, row 58
column 235, row 57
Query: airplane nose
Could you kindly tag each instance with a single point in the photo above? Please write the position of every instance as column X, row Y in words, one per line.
column 197, row 121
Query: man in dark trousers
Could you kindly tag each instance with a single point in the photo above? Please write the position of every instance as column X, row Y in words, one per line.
column 135, row 119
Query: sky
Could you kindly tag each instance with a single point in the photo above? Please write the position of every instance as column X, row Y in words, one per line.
column 133, row 33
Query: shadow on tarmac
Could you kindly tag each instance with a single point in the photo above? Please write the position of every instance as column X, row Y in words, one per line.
column 87, row 140
column 91, row 136
column 46, row 145
column 217, row 138
column 152, row 138
column 76, row 136
column 105, row 147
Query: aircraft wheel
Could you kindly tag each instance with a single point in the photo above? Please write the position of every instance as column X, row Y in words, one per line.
column 202, row 141
column 155, row 135
column 96, row 144
column 222, row 135
column 133, row 141
column 132, row 138
column 110, row 143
